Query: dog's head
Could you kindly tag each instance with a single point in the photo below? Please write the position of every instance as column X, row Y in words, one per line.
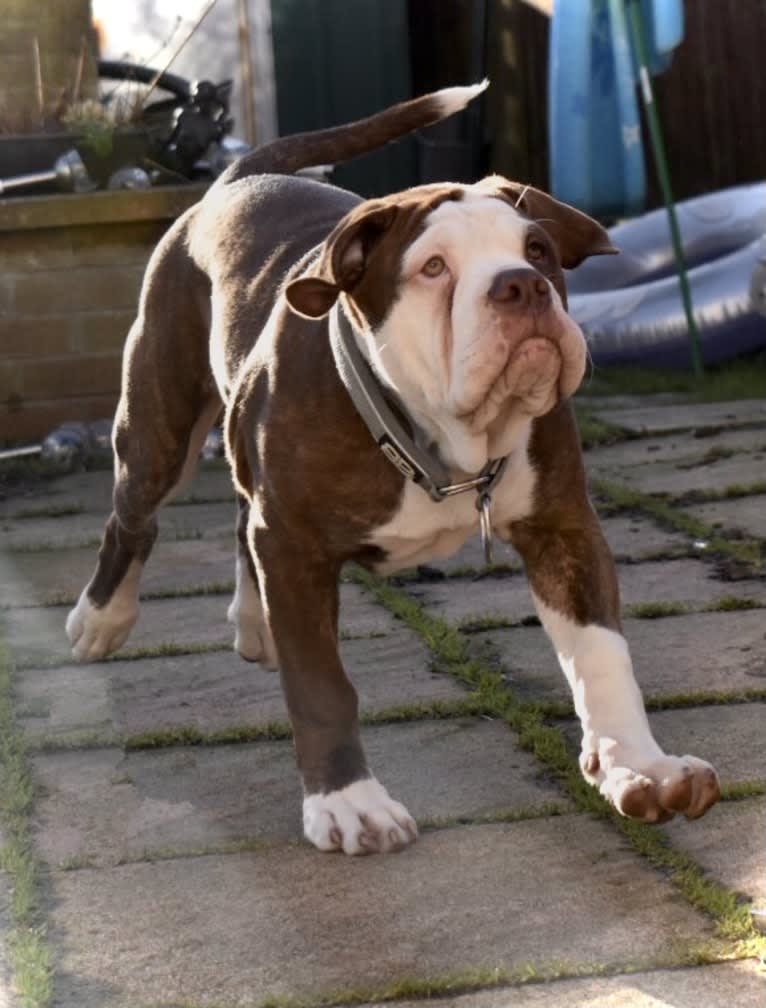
column 458, row 293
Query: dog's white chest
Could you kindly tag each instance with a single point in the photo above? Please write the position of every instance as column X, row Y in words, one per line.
column 423, row 530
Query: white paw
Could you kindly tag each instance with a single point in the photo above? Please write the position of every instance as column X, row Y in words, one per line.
column 253, row 638
column 95, row 633
column 359, row 819
column 655, row 789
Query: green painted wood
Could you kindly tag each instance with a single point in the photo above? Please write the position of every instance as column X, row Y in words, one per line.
column 336, row 61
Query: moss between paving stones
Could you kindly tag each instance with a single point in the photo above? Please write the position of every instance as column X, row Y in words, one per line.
column 546, row 810
column 46, row 511
column 28, row 953
column 732, row 918
column 743, row 790
column 656, row 610
column 661, row 701
column 65, row 598
column 475, row 980
column 274, row 731
column 472, row 981
column 731, row 492
column 595, row 432
column 621, row 498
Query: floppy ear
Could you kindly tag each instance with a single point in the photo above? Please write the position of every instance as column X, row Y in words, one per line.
column 576, row 235
column 343, row 260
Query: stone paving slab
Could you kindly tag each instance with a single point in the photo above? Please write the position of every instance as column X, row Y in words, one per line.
column 688, row 581
column 731, row 737
column 108, row 806
column 652, row 418
column 684, row 448
column 92, row 492
column 215, row 930
column 212, row 691
column 195, row 521
column 630, row 537
column 37, row 634
column 728, row 843
column 680, row 654
column 471, row 555
column 725, row 985
column 40, row 578
column 669, row 478
column 742, row 514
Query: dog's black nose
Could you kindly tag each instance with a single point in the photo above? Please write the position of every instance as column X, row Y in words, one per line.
column 523, row 289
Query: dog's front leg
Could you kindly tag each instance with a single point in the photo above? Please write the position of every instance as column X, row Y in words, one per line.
column 574, row 586
column 344, row 807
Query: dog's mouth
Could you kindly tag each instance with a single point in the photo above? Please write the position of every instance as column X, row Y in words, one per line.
column 539, row 371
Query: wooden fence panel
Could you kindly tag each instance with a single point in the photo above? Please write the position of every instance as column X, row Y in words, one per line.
column 712, row 100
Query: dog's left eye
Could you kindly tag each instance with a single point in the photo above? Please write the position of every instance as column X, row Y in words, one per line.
column 434, row 267
column 536, row 251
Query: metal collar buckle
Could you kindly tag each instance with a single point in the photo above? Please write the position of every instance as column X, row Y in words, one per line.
column 400, row 447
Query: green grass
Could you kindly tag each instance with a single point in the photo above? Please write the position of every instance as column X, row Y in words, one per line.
column 546, row 810
column 733, row 603
column 257, row 844
column 743, row 790
column 715, row 454
column 28, row 953
column 478, row 624
column 742, row 378
column 595, row 432
column 54, row 545
column 65, row 598
column 163, row 649
column 70, row 741
column 621, row 498
column 167, row 649
column 704, row 698
column 242, row 734
column 47, row 511
column 191, row 735
column 655, row 610
column 560, row 709
column 734, row 491
column 485, row 571
column 448, row 986
column 191, row 499
column 191, row 591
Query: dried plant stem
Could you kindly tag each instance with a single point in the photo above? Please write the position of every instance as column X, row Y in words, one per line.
column 38, row 78
column 177, row 50
column 79, row 71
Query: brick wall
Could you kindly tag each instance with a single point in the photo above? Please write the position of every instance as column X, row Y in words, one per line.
column 70, row 273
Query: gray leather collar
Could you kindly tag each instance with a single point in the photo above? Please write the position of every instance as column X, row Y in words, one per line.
column 400, row 448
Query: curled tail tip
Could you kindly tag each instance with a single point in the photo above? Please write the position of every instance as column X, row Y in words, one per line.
column 453, row 99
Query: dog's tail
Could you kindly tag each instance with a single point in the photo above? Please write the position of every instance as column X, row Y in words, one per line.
column 342, row 143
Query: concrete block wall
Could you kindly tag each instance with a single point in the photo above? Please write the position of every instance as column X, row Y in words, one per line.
column 70, row 274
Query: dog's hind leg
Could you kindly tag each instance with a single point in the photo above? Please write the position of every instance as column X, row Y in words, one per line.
column 168, row 403
column 253, row 638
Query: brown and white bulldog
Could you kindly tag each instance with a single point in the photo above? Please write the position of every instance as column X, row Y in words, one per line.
column 455, row 296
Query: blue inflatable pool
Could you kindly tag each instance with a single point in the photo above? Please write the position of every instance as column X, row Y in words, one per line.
column 594, row 134
column 629, row 306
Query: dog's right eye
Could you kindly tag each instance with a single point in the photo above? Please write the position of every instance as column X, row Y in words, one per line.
column 536, row 251
column 434, row 266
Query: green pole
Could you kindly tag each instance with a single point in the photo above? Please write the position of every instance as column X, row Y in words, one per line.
column 636, row 22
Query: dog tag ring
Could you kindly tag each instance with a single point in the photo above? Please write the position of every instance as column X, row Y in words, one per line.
column 485, row 522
